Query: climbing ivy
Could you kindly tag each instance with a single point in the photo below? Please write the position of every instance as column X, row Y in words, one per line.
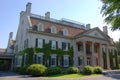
column 105, row 60
column 111, row 56
column 47, row 51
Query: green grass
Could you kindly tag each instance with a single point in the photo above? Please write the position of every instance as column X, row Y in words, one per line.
column 71, row 75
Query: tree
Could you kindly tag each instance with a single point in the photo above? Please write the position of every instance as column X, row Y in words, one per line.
column 117, row 44
column 111, row 10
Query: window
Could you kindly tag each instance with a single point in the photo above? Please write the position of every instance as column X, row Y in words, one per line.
column 88, row 61
column 53, row 61
column 18, row 61
column 80, row 61
column 53, row 45
column 65, row 46
column 53, row 29
column 96, row 49
column 40, row 27
column 114, row 62
column 26, row 44
column 39, row 58
column 96, row 61
column 80, row 47
column 66, row 60
column 39, row 43
column 65, row 32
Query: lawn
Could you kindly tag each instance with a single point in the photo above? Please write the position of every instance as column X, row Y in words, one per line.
column 71, row 75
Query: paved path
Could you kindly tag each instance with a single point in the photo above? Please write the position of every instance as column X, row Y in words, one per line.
column 14, row 76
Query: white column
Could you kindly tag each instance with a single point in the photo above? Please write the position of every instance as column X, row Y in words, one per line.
column 108, row 60
column 85, row 57
column 101, row 56
column 75, row 53
column 93, row 56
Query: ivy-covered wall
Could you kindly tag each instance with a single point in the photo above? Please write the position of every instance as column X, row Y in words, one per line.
column 115, row 56
column 29, row 52
column 104, row 60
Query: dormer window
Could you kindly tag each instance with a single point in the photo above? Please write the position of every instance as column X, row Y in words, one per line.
column 53, row 29
column 40, row 27
column 65, row 32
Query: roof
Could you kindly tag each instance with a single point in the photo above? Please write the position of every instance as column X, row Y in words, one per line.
column 2, row 50
column 72, row 30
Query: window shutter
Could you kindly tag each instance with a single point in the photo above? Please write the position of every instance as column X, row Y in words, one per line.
column 35, row 58
column 50, row 44
column 56, row 45
column 43, row 60
column 49, row 60
column 68, row 46
column 79, row 61
column 62, row 61
column 36, row 42
column 69, row 61
column 62, row 45
column 43, row 42
column 26, row 43
column 57, row 60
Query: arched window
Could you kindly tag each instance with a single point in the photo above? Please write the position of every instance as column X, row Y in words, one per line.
column 65, row 32
column 53, row 29
column 40, row 27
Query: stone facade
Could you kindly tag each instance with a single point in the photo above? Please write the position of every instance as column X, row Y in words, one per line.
column 88, row 44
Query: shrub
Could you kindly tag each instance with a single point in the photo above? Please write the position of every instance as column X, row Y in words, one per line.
column 97, row 70
column 88, row 70
column 16, row 69
column 36, row 70
column 54, row 70
column 23, row 70
column 72, row 70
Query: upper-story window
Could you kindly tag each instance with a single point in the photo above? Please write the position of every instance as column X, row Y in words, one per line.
column 53, row 45
column 65, row 32
column 40, row 27
column 53, row 29
column 40, row 42
column 65, row 46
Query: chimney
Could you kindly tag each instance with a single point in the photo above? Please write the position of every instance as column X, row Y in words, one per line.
column 87, row 26
column 10, row 35
column 47, row 15
column 105, row 31
column 28, row 8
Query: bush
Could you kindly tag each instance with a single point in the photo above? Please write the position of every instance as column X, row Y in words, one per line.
column 23, row 70
column 97, row 70
column 54, row 70
column 37, row 70
column 16, row 69
column 88, row 70
column 72, row 70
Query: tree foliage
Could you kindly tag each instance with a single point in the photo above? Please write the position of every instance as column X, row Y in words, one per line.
column 111, row 10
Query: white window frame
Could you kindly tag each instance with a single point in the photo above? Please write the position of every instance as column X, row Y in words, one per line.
column 53, row 29
column 66, row 48
column 88, row 61
column 53, row 45
column 53, row 57
column 40, row 43
column 65, row 32
column 40, row 27
column 81, row 58
column 18, row 61
column 39, row 55
column 66, row 60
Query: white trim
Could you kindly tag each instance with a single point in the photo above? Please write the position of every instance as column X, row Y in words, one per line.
column 40, row 25
column 53, row 29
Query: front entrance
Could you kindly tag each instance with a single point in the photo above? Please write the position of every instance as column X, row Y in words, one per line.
column 5, row 64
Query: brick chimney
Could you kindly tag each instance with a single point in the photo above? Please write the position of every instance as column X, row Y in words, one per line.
column 28, row 8
column 105, row 30
column 88, row 26
column 47, row 15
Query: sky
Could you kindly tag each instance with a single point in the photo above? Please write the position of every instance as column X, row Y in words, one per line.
column 84, row 11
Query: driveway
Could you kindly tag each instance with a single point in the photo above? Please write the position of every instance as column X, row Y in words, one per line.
column 13, row 76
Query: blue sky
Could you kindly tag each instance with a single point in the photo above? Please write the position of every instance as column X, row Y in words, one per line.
column 85, row 11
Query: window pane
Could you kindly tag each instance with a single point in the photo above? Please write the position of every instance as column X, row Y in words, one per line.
column 40, row 43
column 53, row 45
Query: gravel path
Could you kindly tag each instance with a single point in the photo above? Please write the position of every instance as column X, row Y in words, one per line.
column 13, row 76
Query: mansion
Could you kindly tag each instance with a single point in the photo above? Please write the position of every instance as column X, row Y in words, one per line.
column 64, row 43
